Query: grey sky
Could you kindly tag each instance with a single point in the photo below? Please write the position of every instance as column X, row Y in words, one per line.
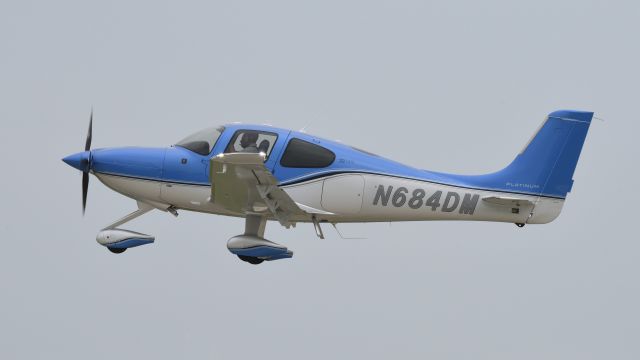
column 454, row 86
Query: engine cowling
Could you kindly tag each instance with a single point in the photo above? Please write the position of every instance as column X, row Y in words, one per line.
column 123, row 239
column 257, row 247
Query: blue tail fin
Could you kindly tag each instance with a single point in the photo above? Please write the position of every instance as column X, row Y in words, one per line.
column 546, row 164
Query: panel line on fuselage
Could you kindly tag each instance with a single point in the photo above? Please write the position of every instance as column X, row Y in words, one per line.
column 319, row 175
column 153, row 179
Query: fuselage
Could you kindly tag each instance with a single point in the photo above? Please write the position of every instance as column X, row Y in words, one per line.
column 342, row 184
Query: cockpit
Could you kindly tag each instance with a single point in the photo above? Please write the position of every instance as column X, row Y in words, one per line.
column 244, row 140
column 297, row 153
column 252, row 141
column 203, row 141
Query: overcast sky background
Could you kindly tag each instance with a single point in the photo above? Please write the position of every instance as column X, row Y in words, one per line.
column 456, row 86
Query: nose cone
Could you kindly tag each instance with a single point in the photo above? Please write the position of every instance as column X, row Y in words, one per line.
column 79, row 160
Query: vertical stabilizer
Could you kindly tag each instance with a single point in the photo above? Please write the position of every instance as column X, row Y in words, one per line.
column 547, row 163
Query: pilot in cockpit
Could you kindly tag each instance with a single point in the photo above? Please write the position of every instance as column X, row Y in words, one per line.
column 249, row 142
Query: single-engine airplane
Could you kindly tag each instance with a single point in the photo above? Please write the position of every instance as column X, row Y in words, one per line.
column 264, row 173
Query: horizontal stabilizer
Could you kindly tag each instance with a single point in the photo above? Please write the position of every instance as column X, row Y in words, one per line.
column 507, row 201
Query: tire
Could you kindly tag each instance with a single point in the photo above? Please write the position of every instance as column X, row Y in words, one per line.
column 250, row 259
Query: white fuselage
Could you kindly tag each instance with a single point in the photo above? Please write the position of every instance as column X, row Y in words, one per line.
column 355, row 197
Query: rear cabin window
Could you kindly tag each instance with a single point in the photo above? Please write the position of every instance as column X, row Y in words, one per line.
column 303, row 154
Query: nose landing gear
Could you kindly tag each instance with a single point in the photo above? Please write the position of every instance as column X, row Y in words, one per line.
column 118, row 240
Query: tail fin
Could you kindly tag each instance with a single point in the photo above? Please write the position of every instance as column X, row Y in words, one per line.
column 546, row 164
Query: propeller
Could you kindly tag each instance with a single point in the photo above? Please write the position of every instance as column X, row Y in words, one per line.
column 86, row 161
column 82, row 162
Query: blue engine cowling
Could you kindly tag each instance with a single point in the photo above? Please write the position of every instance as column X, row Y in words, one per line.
column 123, row 239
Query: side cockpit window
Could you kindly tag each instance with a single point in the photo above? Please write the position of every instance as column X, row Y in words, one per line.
column 303, row 154
column 252, row 141
column 201, row 142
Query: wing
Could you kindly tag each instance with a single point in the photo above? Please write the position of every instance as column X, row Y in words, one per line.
column 242, row 184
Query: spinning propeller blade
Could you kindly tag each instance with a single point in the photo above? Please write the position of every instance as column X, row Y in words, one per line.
column 85, row 189
column 87, row 145
column 85, row 174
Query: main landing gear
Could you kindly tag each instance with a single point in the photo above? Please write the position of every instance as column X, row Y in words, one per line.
column 520, row 225
column 252, row 247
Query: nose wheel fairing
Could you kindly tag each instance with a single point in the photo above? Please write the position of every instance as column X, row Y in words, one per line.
column 123, row 239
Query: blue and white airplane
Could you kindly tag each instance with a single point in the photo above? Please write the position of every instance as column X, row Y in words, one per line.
column 263, row 173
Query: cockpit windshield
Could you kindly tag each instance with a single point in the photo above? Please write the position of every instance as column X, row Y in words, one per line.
column 203, row 141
